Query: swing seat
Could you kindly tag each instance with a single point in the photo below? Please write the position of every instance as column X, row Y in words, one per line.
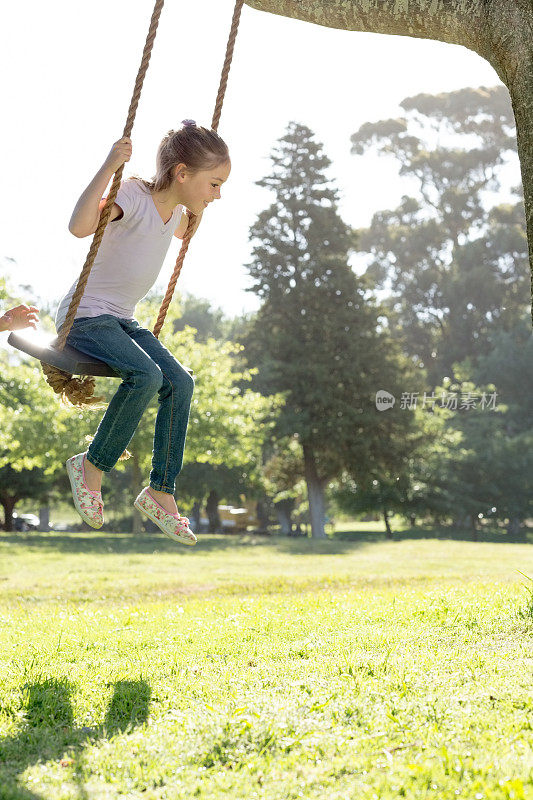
column 69, row 359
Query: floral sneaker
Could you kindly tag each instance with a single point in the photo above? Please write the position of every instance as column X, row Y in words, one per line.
column 173, row 525
column 89, row 504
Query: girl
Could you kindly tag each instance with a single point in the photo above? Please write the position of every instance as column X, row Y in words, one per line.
column 192, row 164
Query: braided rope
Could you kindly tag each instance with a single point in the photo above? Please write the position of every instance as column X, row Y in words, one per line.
column 104, row 217
column 174, row 277
column 80, row 391
column 227, row 64
column 77, row 391
column 214, row 125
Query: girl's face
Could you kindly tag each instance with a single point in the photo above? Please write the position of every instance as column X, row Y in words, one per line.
column 200, row 188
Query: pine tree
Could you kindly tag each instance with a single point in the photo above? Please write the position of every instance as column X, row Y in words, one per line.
column 316, row 337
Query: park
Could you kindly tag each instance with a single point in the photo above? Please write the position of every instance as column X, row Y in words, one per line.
column 338, row 415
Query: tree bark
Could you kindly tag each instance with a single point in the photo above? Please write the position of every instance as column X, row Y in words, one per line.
column 8, row 504
column 315, row 494
column 44, row 518
column 211, row 508
column 136, row 477
column 387, row 523
column 473, row 526
column 195, row 516
column 501, row 31
column 283, row 512
column 513, row 526
column 521, row 91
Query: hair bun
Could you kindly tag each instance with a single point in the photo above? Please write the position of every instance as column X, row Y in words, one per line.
column 188, row 123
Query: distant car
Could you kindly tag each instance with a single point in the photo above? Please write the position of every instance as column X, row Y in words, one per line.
column 60, row 526
column 25, row 522
column 233, row 518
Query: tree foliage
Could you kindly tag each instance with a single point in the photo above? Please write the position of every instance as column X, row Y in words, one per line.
column 455, row 265
column 316, row 337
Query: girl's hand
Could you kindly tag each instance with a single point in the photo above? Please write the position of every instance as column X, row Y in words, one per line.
column 19, row 317
column 119, row 154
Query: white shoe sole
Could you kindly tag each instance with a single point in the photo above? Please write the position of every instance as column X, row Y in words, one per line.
column 77, row 506
column 174, row 536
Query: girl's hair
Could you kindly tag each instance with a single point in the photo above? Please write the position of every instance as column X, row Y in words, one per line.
column 197, row 147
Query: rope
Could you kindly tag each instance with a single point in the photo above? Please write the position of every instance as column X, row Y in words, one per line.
column 227, row 64
column 174, row 277
column 214, row 125
column 104, row 218
column 80, row 391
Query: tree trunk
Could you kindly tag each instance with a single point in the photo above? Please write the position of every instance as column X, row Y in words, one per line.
column 501, row 31
column 315, row 494
column 211, row 508
column 521, row 89
column 8, row 504
column 387, row 524
column 136, row 477
column 283, row 512
column 513, row 526
column 195, row 516
column 44, row 518
column 473, row 525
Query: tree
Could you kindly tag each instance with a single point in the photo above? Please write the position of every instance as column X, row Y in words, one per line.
column 506, row 443
column 456, row 269
column 483, row 466
column 395, row 477
column 498, row 30
column 197, row 313
column 37, row 435
column 16, row 485
column 315, row 338
column 284, row 478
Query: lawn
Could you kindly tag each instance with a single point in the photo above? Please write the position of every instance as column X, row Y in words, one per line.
column 252, row 668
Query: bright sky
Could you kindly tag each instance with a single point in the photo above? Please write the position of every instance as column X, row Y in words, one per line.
column 68, row 71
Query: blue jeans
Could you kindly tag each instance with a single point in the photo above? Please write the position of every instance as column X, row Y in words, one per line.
column 146, row 367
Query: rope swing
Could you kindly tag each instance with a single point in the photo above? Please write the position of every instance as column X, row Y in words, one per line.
column 80, row 391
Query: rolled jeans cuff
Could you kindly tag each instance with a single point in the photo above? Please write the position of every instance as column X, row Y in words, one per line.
column 97, row 463
column 159, row 488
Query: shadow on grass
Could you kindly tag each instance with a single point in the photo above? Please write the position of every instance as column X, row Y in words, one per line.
column 493, row 535
column 49, row 733
column 98, row 542
column 337, row 543
column 150, row 543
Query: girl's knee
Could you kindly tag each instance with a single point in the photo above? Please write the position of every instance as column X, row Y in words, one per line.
column 180, row 380
column 149, row 380
column 189, row 384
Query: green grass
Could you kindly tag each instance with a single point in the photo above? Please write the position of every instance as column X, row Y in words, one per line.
column 264, row 668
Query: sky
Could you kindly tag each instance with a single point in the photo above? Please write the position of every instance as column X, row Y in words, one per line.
column 68, row 72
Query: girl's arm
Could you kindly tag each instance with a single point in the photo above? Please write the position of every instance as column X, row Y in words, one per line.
column 86, row 214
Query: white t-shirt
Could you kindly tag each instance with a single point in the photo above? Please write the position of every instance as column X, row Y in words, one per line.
column 129, row 258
